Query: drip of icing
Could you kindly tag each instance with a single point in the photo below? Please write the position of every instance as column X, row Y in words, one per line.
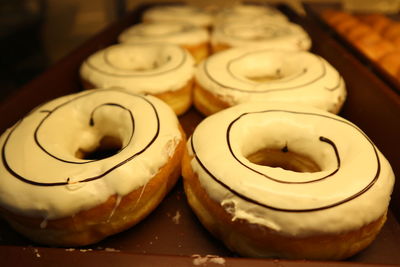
column 43, row 224
column 118, row 200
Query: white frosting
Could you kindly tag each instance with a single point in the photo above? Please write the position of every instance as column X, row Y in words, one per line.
column 173, row 32
column 303, row 77
column 140, row 68
column 261, row 32
column 190, row 14
column 244, row 13
column 292, row 203
column 145, row 125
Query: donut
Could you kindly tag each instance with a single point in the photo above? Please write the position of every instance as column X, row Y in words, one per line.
column 88, row 165
column 248, row 13
column 390, row 62
column 260, row 33
column 374, row 49
column 396, row 41
column 347, row 25
column 377, row 22
column 286, row 181
column 333, row 17
column 195, row 39
column 163, row 70
column 239, row 75
column 183, row 13
column 357, row 31
column 392, row 31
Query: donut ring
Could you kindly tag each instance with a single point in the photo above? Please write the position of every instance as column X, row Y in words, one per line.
column 291, row 208
column 191, row 37
column 260, row 33
column 163, row 70
column 56, row 192
column 238, row 75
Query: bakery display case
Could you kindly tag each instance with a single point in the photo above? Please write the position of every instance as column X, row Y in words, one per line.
column 370, row 36
column 172, row 235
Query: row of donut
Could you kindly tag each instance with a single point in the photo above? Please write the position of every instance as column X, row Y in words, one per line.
column 375, row 35
column 269, row 179
column 262, row 58
column 202, row 33
column 269, row 175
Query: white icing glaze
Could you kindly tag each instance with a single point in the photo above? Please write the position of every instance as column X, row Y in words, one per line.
column 190, row 14
column 140, row 68
column 261, row 32
column 173, row 32
column 244, row 13
column 295, row 203
column 62, row 127
column 304, row 78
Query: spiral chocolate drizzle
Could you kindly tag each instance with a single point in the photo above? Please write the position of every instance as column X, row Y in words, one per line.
column 136, row 74
column 321, row 138
column 66, row 181
column 91, row 123
column 269, row 90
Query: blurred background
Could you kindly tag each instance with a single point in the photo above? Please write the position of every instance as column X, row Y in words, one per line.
column 34, row 34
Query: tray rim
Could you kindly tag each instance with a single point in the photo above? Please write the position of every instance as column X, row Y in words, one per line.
column 6, row 249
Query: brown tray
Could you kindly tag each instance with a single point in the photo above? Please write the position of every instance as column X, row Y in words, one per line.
column 314, row 11
column 161, row 240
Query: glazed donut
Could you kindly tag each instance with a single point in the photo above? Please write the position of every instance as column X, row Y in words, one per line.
column 374, row 49
column 283, row 180
column 163, row 70
column 391, row 62
column 392, row 31
column 333, row 17
column 377, row 22
column 239, row 75
column 85, row 166
column 347, row 25
column 183, row 13
column 193, row 38
column 357, row 31
column 260, row 33
column 248, row 13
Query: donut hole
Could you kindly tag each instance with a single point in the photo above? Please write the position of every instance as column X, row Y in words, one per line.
column 266, row 66
column 284, row 159
column 134, row 58
column 106, row 147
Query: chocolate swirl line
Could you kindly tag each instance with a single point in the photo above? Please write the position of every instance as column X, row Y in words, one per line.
column 66, row 181
column 91, row 123
column 137, row 73
column 269, row 90
column 335, row 87
column 324, row 139
column 321, row 138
